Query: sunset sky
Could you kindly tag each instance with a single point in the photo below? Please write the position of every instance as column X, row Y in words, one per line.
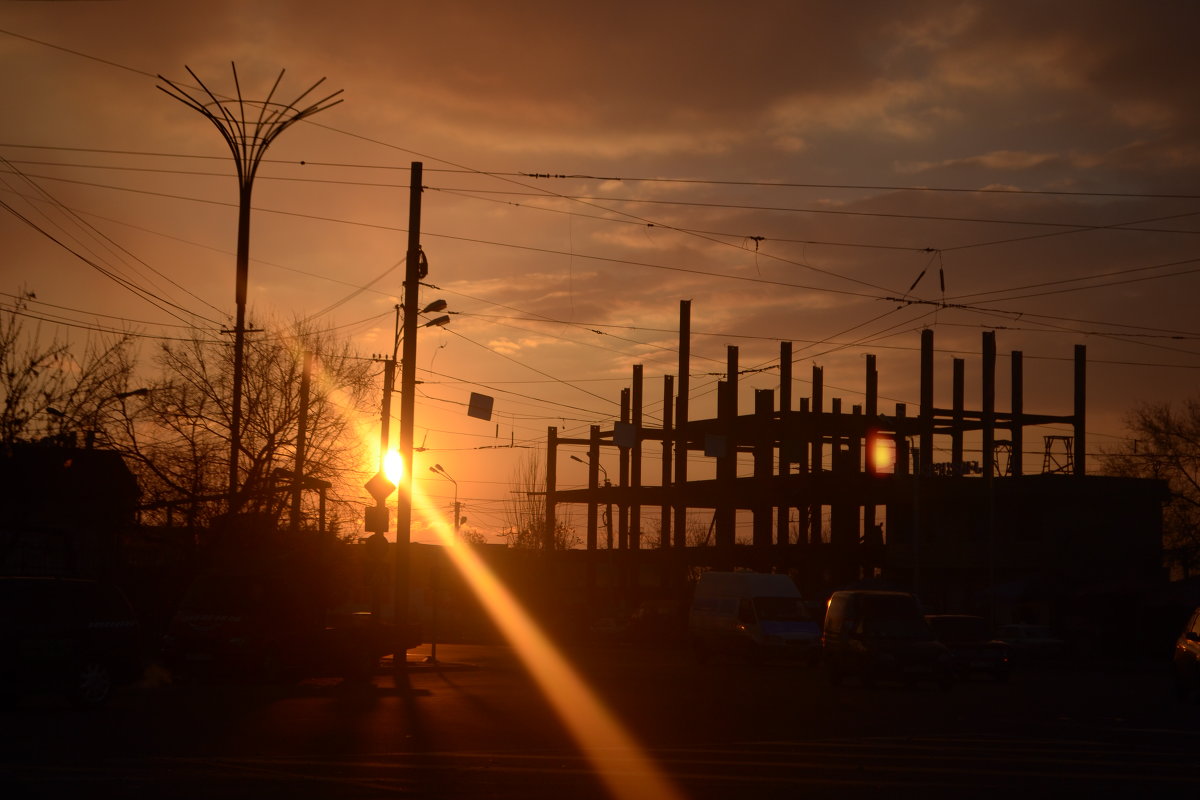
column 790, row 168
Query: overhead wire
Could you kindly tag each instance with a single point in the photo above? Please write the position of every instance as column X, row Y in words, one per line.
column 35, row 300
column 92, row 230
column 772, row 184
column 549, row 175
column 158, row 302
column 588, row 199
column 1073, row 229
column 484, row 173
column 601, row 258
column 527, row 248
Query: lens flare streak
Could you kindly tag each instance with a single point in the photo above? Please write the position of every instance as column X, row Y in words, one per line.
column 620, row 761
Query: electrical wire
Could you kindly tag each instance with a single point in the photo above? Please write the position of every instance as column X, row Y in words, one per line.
column 136, row 290
column 46, row 196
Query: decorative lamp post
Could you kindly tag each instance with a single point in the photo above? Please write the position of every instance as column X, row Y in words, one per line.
column 248, row 127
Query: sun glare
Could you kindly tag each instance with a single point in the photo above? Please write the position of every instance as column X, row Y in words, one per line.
column 885, row 454
column 393, row 466
column 625, row 768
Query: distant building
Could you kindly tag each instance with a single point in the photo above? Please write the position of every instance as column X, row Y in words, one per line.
column 63, row 509
column 1038, row 548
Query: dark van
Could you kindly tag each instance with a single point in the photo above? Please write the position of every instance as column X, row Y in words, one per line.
column 77, row 638
column 882, row 636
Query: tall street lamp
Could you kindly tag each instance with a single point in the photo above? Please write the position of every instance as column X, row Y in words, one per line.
column 438, row 469
column 248, row 127
column 607, row 501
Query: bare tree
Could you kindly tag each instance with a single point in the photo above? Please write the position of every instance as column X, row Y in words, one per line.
column 697, row 532
column 178, row 441
column 1166, row 445
column 471, row 536
column 49, row 391
column 526, row 511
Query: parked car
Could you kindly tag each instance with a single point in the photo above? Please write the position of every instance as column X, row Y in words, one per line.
column 1187, row 659
column 752, row 615
column 77, row 638
column 882, row 636
column 1032, row 643
column 972, row 650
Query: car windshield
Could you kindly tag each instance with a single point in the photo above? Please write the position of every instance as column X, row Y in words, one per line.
column 780, row 609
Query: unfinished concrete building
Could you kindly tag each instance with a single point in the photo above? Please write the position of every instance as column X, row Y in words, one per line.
column 968, row 535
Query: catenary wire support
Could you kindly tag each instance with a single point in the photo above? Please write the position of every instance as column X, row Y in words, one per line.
column 248, row 127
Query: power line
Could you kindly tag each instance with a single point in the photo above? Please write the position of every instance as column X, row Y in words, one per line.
column 757, row 239
column 848, row 212
column 690, row 180
column 468, row 239
column 1074, row 228
column 527, row 366
column 144, row 294
column 46, row 196
column 100, row 329
column 95, row 313
column 222, row 251
column 497, row 244
column 870, row 187
column 765, row 184
column 1096, row 285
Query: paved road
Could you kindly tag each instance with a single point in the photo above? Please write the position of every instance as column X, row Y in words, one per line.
column 478, row 726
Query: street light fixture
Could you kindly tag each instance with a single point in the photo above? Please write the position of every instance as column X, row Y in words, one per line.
column 607, row 502
column 603, row 471
column 389, row 388
column 438, row 469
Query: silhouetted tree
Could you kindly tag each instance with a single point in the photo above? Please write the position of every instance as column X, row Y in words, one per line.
column 178, row 439
column 696, row 532
column 1166, row 445
column 526, row 510
column 471, row 536
column 48, row 391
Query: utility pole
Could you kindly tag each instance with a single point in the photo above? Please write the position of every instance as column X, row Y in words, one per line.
column 389, row 386
column 248, row 127
column 414, row 269
column 301, row 440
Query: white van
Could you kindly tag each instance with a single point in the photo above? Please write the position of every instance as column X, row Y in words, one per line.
column 753, row 615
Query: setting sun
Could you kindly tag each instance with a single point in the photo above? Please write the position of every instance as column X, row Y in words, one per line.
column 393, row 466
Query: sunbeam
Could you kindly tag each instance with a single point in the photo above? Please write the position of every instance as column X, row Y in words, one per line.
column 621, row 762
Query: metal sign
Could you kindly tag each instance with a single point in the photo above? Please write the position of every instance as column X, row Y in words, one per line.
column 379, row 487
